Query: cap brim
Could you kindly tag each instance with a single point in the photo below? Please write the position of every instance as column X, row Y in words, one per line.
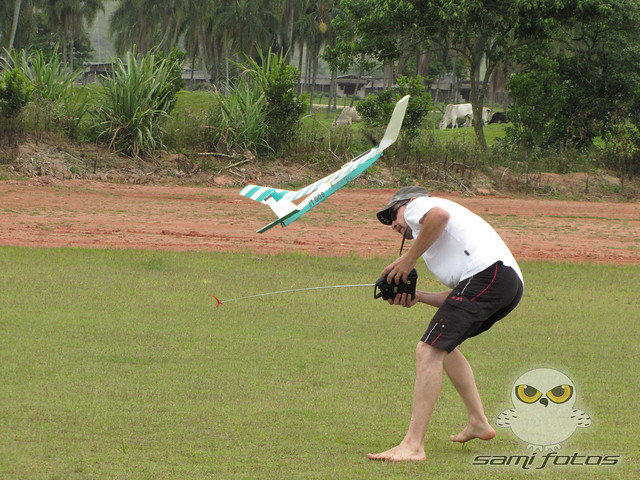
column 385, row 215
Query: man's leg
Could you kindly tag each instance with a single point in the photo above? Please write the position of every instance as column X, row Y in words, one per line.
column 461, row 375
column 429, row 366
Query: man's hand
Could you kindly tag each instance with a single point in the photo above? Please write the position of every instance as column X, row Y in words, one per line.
column 405, row 300
column 399, row 269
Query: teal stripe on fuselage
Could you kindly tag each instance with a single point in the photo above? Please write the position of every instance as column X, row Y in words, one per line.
column 334, row 188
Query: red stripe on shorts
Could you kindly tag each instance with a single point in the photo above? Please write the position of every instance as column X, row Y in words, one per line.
column 495, row 274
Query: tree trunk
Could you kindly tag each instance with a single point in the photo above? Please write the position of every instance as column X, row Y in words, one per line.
column 333, row 92
column 289, row 45
column 455, row 94
column 388, row 73
column 300, row 60
column 202, row 52
column 355, row 92
column 314, row 67
column 14, row 24
column 423, row 61
column 479, row 87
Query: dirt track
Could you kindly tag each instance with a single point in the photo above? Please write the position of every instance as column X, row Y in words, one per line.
column 51, row 213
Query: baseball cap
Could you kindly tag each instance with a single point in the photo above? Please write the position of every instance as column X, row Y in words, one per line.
column 405, row 193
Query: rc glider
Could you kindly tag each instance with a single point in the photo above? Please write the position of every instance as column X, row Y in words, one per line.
column 281, row 201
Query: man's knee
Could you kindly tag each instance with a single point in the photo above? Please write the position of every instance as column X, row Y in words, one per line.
column 427, row 353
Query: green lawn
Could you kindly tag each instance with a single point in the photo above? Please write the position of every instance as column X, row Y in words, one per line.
column 118, row 365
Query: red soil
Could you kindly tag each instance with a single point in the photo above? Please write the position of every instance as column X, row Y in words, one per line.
column 51, row 213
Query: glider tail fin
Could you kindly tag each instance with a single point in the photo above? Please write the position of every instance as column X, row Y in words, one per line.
column 277, row 199
column 393, row 129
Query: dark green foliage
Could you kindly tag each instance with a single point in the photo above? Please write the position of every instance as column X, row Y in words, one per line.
column 284, row 106
column 172, row 65
column 14, row 93
column 377, row 109
column 571, row 86
column 536, row 95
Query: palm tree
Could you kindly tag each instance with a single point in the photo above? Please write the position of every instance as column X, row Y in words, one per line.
column 312, row 32
column 135, row 22
column 65, row 18
column 17, row 23
column 248, row 25
column 198, row 33
column 17, row 5
column 290, row 14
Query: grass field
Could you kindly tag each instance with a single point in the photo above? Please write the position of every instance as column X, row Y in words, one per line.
column 118, row 365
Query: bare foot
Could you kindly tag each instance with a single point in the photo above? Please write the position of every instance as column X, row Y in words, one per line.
column 401, row 453
column 483, row 431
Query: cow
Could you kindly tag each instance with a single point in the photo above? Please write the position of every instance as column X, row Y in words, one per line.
column 347, row 116
column 456, row 112
column 499, row 117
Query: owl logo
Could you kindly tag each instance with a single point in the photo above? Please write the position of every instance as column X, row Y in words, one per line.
column 543, row 415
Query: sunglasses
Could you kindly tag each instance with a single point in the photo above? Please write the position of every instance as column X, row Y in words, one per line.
column 396, row 207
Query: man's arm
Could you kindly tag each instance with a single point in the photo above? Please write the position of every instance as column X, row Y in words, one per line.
column 433, row 224
column 435, row 299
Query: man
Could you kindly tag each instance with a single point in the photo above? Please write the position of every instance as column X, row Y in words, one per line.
column 465, row 253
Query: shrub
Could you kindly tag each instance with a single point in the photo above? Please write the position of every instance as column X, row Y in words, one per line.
column 377, row 109
column 14, row 93
column 284, row 107
column 60, row 104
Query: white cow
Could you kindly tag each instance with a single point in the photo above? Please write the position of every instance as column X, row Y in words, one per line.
column 456, row 112
column 347, row 116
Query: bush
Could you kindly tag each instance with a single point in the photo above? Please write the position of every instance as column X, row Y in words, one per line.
column 59, row 104
column 376, row 109
column 261, row 111
column 283, row 107
column 14, row 93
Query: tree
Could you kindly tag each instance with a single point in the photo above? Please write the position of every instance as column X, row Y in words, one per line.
column 17, row 23
column 136, row 22
column 66, row 17
column 376, row 30
column 587, row 55
column 483, row 33
column 17, row 5
column 345, row 49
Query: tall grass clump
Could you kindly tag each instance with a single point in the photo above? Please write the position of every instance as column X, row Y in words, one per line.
column 260, row 110
column 136, row 100
column 321, row 146
column 238, row 118
column 285, row 108
column 188, row 127
column 58, row 104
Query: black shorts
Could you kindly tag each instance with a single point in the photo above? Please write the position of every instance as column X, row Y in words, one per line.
column 474, row 306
